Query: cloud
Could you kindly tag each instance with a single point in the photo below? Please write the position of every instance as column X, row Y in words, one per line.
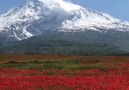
column 52, row 1
column 62, row 4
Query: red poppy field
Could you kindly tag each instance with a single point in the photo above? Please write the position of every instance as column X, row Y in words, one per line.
column 65, row 73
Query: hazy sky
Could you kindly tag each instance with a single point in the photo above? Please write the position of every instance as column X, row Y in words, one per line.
column 116, row 8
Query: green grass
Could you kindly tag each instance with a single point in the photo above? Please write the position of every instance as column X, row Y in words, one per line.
column 58, row 65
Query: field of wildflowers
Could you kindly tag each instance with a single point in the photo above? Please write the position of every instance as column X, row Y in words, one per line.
column 80, row 74
column 11, row 79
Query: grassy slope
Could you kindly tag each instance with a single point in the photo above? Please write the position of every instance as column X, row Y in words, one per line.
column 86, row 43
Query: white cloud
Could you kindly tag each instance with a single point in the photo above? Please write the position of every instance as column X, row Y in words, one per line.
column 51, row 1
column 62, row 4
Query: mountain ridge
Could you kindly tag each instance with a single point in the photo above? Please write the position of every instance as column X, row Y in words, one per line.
column 39, row 16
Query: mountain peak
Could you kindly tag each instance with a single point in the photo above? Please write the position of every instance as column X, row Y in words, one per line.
column 38, row 16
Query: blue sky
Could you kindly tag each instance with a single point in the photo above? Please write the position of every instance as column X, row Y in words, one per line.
column 116, row 8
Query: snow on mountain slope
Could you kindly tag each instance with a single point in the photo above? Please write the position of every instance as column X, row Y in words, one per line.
column 38, row 16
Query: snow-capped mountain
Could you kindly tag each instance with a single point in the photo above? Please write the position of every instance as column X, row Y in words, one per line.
column 39, row 16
